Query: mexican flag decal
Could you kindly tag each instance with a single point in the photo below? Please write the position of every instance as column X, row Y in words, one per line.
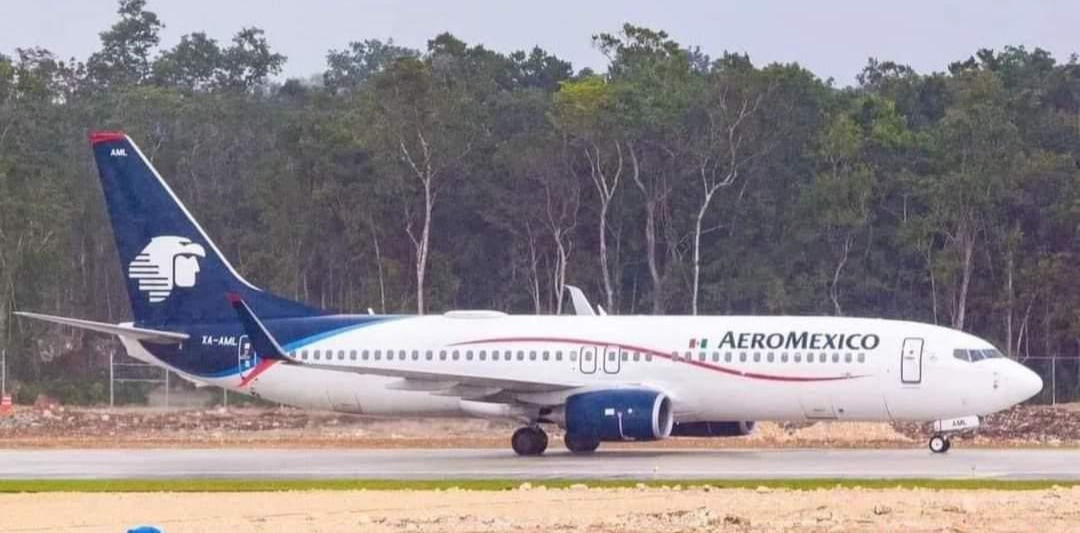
column 699, row 343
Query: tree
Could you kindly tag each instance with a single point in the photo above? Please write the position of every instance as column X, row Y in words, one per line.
column 126, row 48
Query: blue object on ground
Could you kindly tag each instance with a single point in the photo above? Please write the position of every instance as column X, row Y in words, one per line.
column 144, row 529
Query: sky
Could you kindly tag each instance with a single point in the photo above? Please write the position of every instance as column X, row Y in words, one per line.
column 832, row 38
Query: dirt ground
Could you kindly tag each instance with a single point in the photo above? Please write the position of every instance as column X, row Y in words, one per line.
column 61, row 427
column 576, row 509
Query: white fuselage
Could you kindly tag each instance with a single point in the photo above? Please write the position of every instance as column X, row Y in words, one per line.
column 712, row 368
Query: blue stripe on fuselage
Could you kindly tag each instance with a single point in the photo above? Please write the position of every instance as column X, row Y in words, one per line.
column 199, row 358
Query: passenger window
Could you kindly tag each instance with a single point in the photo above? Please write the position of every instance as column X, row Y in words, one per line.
column 742, row 357
column 573, row 355
column 689, row 357
column 318, row 354
column 648, row 357
column 847, row 358
column 428, row 355
column 716, row 357
column 862, row 358
column 378, row 355
column 701, row 356
column 547, row 355
column 401, row 355
column 783, row 357
column 303, row 354
column 625, row 356
column 442, row 355
column 483, row 355
column 771, row 357
column 532, row 355
column 821, row 358
column 352, row 354
column 455, row 355
column 468, row 355
column 558, row 355
column 637, row 356
column 727, row 357
column 798, row 358
column 364, row 355
column 341, row 355
column 521, row 355
column 757, row 357
column 836, row 357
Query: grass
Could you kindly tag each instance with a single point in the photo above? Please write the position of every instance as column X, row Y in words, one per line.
column 261, row 485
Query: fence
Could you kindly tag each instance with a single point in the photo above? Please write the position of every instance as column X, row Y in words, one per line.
column 126, row 369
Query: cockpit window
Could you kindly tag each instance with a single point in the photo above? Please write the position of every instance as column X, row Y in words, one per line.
column 977, row 355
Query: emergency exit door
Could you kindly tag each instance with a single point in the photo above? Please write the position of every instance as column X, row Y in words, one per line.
column 911, row 361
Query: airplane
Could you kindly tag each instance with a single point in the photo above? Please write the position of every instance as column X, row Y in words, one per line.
column 598, row 377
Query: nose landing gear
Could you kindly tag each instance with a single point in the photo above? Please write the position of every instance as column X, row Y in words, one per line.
column 529, row 440
column 940, row 444
column 944, row 429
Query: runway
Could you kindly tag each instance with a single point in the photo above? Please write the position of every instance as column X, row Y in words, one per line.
column 498, row 464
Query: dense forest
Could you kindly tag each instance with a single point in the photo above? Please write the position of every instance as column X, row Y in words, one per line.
column 461, row 177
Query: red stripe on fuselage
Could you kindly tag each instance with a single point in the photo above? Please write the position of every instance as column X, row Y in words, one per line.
column 701, row 364
column 263, row 366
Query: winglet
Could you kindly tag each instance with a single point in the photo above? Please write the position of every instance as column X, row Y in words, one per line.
column 581, row 303
column 261, row 339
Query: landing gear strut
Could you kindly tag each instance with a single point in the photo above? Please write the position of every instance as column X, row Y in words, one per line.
column 581, row 443
column 940, row 443
column 530, row 440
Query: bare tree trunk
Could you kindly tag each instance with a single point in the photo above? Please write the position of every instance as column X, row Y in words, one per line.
column 968, row 251
column 697, row 251
column 1009, row 265
column 834, row 287
column 650, row 235
column 378, row 264
column 605, row 187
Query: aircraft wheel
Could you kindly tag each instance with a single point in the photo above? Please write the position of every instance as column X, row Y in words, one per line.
column 580, row 443
column 529, row 441
column 939, row 444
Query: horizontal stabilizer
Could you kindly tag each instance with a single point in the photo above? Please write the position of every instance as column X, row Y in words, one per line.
column 147, row 335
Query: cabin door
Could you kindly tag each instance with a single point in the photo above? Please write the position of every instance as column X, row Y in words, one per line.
column 911, row 356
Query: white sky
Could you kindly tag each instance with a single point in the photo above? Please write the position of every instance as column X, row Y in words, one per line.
column 833, row 38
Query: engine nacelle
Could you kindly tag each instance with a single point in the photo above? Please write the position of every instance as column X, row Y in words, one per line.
column 621, row 414
column 713, row 429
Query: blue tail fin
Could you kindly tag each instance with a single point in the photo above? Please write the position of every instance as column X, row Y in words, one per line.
column 175, row 274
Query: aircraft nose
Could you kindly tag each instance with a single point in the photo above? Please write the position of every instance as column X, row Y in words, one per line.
column 1026, row 383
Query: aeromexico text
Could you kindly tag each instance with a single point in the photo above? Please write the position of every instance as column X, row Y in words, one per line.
column 792, row 340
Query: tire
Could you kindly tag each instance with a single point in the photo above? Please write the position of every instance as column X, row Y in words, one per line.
column 939, row 444
column 529, row 441
column 580, row 443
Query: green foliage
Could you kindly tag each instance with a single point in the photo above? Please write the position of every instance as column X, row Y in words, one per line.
column 951, row 198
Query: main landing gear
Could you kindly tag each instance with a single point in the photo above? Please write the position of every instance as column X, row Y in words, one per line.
column 529, row 440
column 580, row 443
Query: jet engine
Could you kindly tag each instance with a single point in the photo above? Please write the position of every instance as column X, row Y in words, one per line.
column 620, row 414
column 714, row 429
